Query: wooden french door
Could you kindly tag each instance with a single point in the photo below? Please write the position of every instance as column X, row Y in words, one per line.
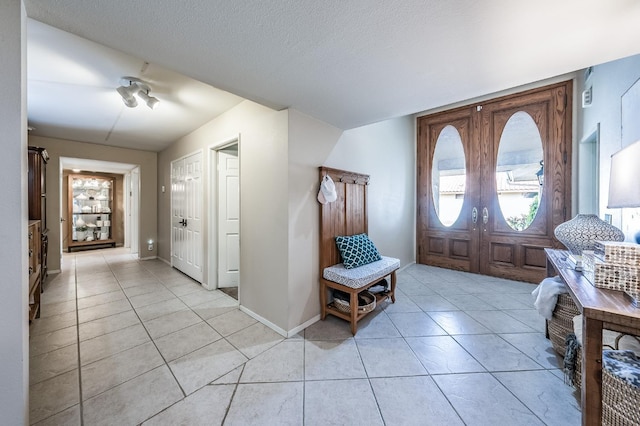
column 497, row 171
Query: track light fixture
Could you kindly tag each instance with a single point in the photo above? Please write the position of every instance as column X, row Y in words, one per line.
column 149, row 100
column 132, row 86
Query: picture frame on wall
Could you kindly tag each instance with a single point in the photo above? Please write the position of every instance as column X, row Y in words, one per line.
column 630, row 114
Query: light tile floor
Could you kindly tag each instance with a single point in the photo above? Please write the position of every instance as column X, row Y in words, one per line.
column 125, row 342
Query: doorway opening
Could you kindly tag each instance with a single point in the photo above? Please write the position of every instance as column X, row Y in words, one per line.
column 494, row 182
column 224, row 220
column 126, row 215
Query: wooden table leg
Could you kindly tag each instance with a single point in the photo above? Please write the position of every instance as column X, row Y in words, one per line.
column 393, row 287
column 591, row 371
column 323, row 300
column 353, row 303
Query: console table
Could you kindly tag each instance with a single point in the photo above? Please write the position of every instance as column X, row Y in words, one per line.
column 601, row 309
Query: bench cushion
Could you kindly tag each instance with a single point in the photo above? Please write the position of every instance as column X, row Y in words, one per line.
column 362, row 275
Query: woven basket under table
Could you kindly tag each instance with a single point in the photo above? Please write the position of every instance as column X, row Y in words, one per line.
column 619, row 401
column 345, row 307
column 561, row 323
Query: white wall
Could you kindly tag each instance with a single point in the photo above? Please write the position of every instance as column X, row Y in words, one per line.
column 310, row 143
column 263, row 202
column 386, row 151
column 280, row 153
column 609, row 82
column 14, row 334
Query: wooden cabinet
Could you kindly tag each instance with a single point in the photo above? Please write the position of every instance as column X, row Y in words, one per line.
column 91, row 211
column 601, row 309
column 35, row 268
column 37, row 186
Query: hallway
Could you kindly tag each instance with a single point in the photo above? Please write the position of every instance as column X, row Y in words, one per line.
column 123, row 341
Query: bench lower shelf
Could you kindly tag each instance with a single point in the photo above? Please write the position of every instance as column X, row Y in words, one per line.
column 352, row 317
column 331, row 309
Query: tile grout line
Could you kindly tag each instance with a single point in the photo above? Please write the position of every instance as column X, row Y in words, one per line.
column 160, row 353
column 491, row 373
column 429, row 374
column 427, row 370
column 491, row 333
column 141, row 323
column 184, row 394
column 233, row 394
column 81, row 403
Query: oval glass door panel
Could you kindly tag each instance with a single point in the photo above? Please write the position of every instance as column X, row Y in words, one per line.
column 448, row 176
column 520, row 171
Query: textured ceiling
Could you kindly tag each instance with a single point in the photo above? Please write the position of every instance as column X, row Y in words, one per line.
column 351, row 63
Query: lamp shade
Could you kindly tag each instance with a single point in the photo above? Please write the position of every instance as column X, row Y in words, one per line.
column 624, row 183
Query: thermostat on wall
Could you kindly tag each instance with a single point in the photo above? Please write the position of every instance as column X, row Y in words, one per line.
column 587, row 97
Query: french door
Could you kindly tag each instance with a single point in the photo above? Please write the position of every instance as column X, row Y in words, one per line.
column 494, row 182
column 186, row 215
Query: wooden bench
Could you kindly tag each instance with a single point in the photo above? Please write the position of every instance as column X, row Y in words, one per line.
column 353, row 281
column 348, row 216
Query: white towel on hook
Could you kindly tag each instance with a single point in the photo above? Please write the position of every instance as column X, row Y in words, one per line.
column 327, row 193
column 546, row 294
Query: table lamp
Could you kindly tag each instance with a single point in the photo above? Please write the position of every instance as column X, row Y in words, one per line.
column 624, row 183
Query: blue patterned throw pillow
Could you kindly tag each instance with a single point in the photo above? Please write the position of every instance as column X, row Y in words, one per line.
column 357, row 250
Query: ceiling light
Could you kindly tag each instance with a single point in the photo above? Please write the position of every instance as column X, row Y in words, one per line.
column 150, row 100
column 136, row 87
column 127, row 95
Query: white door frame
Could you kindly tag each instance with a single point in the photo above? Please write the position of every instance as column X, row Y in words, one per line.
column 132, row 211
column 212, row 221
column 132, row 226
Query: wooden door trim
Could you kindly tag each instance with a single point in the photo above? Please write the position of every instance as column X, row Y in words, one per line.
column 556, row 204
column 437, row 244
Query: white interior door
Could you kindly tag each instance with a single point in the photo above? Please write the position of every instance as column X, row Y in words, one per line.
column 134, row 211
column 177, row 213
column 228, row 218
column 186, row 215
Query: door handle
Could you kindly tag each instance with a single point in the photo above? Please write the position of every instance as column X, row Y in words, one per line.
column 485, row 215
column 183, row 222
column 474, row 215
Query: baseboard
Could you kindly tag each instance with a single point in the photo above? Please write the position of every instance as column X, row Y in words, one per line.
column 163, row 260
column 302, row 326
column 406, row 266
column 264, row 321
column 53, row 271
column 277, row 329
column 148, row 258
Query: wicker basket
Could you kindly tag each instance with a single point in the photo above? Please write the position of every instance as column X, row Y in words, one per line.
column 344, row 306
column 619, row 401
column 577, row 382
column 561, row 323
column 578, row 375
